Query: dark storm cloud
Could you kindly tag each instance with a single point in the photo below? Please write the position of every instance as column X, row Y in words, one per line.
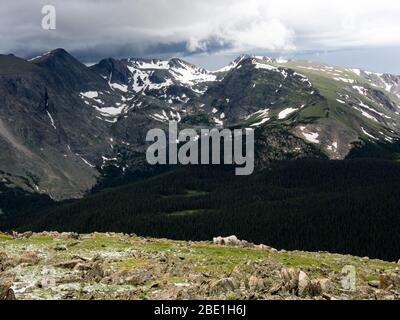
column 92, row 29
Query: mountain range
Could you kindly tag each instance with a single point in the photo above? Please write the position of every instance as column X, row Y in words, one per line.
column 64, row 124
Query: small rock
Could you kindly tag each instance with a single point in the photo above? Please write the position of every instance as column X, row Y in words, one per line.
column 67, row 264
column 304, row 284
column 6, row 281
column 5, row 262
column 128, row 277
column 24, row 235
column 264, row 247
column 29, row 257
column 83, row 267
column 255, row 283
column 321, row 287
column 246, row 244
column 275, row 288
column 96, row 272
column 228, row 241
column 374, row 283
column 68, row 235
column 197, row 278
column 170, row 292
column 389, row 280
column 290, row 279
column 68, row 278
column 60, row 247
column 224, row 285
column 326, row 285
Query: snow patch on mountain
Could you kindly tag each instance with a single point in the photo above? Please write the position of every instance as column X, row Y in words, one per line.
column 346, row 80
column 51, row 120
column 365, row 114
column 261, row 116
column 285, row 113
column 121, row 87
column 90, row 94
column 257, row 124
column 310, row 136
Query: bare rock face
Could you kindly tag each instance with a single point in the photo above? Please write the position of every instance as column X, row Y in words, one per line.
column 64, row 105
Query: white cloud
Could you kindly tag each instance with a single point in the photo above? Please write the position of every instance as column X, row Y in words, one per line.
column 201, row 25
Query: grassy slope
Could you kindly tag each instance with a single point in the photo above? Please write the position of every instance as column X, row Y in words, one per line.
column 198, row 259
column 329, row 88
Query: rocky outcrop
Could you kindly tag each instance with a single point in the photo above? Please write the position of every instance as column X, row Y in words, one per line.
column 389, row 280
column 6, row 282
column 134, row 277
column 228, row 241
column 120, row 266
column 233, row 241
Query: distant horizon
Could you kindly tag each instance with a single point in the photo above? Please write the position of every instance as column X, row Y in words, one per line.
column 377, row 63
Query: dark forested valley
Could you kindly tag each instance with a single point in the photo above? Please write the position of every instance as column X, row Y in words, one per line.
column 349, row 206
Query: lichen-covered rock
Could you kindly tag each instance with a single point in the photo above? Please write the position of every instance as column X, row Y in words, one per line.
column 6, row 281
column 320, row 287
column 3, row 261
column 304, row 288
column 227, row 241
column 29, row 257
column 95, row 272
column 389, row 280
column 290, row 279
column 128, row 277
column 224, row 285
column 70, row 264
column 256, row 284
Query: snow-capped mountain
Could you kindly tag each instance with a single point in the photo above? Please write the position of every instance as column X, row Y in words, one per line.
column 62, row 123
column 143, row 76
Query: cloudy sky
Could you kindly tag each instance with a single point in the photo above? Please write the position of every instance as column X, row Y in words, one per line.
column 359, row 33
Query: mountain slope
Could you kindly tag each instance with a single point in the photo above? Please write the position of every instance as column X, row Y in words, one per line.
column 63, row 124
column 45, row 129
